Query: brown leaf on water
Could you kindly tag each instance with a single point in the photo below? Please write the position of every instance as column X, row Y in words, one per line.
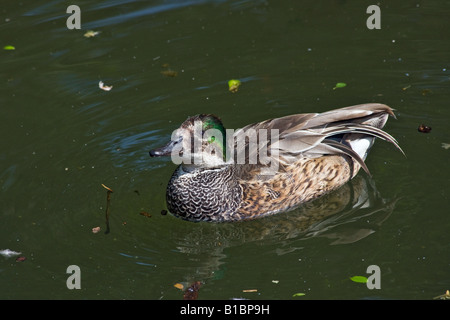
column 423, row 128
column 191, row 293
column 145, row 214
column 169, row 73
column 20, row 259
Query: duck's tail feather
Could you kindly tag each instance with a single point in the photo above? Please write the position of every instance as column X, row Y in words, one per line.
column 348, row 151
column 364, row 129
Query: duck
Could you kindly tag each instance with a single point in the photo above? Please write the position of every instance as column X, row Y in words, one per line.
column 268, row 167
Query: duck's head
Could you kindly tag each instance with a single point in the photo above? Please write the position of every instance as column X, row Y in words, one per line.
column 198, row 142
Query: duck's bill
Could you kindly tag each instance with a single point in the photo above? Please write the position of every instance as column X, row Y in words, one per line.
column 164, row 150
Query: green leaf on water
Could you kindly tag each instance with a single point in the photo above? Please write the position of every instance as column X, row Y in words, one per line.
column 340, row 85
column 299, row 294
column 233, row 85
column 359, row 279
column 9, row 48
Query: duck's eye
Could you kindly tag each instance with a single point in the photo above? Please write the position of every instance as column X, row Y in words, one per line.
column 211, row 139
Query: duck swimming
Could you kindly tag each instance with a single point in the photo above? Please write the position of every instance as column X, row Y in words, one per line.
column 267, row 167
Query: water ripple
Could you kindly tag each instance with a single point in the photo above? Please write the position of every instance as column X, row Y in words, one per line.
column 142, row 12
column 127, row 147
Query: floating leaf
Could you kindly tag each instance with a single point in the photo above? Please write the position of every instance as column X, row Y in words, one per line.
column 96, row 230
column 340, row 85
column 104, row 87
column 178, row 286
column 298, row 294
column 423, row 128
column 169, row 73
column 91, row 33
column 20, row 259
column 359, row 279
column 233, row 85
column 9, row 48
column 191, row 293
column 145, row 214
column 250, row 290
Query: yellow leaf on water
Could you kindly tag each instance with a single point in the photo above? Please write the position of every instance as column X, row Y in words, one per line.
column 91, row 33
column 178, row 286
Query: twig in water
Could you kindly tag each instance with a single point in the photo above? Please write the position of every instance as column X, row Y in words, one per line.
column 108, row 199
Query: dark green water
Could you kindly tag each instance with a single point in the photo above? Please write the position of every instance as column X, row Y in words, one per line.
column 62, row 137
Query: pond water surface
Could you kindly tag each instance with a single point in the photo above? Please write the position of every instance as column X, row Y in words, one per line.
column 63, row 137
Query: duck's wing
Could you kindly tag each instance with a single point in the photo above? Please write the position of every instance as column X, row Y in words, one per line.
column 353, row 114
column 349, row 131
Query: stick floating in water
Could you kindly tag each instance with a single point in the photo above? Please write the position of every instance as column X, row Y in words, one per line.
column 108, row 198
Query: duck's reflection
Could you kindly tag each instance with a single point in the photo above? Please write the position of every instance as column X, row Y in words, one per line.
column 344, row 216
